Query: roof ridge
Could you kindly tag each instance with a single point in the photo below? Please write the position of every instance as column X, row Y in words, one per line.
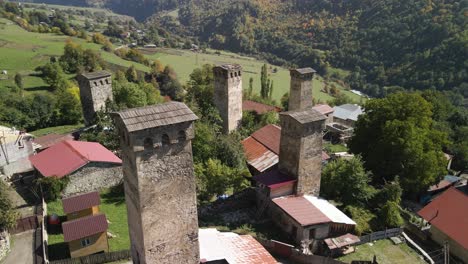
column 67, row 142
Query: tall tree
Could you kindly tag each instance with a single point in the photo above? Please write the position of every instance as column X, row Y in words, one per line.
column 19, row 83
column 395, row 136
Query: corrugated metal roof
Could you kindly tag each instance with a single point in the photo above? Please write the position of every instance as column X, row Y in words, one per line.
column 51, row 139
column 348, row 111
column 324, row 109
column 269, row 136
column 274, row 179
column 233, row 248
column 305, row 116
column 309, row 210
column 136, row 119
column 449, row 213
column 259, row 108
column 68, row 156
column 84, row 227
column 96, row 75
column 80, row 202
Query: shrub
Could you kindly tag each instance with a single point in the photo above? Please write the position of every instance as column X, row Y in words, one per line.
column 52, row 187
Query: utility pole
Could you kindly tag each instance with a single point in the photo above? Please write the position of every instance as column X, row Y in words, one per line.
column 446, row 253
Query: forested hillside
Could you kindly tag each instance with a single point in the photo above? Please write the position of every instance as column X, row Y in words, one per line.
column 390, row 44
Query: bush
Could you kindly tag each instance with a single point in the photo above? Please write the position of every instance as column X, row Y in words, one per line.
column 8, row 215
column 362, row 217
column 52, row 187
column 389, row 215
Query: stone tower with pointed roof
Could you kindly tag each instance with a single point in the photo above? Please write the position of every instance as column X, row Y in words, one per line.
column 301, row 148
column 228, row 95
column 95, row 90
column 300, row 95
column 160, row 183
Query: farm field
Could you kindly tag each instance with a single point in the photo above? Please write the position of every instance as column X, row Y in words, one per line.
column 22, row 51
column 185, row 61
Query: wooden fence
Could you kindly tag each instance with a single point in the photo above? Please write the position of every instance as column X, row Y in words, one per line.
column 25, row 224
column 96, row 258
column 380, row 235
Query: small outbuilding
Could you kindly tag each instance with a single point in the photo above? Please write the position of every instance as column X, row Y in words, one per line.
column 81, row 205
column 87, row 235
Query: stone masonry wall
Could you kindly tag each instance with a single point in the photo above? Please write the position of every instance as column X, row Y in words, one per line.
column 300, row 96
column 93, row 177
column 228, row 97
column 93, row 94
column 4, row 244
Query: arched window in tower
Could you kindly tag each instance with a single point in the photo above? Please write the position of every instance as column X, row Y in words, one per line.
column 95, row 83
column 181, row 137
column 165, row 140
column 102, row 83
column 235, row 74
column 148, row 143
column 232, row 75
column 239, row 73
column 107, row 81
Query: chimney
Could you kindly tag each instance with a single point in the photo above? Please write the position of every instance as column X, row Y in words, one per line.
column 301, row 148
column 300, row 95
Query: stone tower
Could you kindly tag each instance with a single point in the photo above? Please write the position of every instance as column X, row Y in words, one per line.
column 300, row 95
column 160, row 183
column 301, row 148
column 228, row 95
column 95, row 90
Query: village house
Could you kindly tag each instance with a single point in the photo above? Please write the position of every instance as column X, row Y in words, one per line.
column 347, row 114
column 228, row 247
column 447, row 216
column 81, row 205
column 89, row 165
column 86, row 235
column 325, row 110
column 258, row 108
column 262, row 149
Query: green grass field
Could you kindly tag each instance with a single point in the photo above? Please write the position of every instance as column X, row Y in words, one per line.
column 22, row 51
column 386, row 252
column 185, row 61
column 113, row 205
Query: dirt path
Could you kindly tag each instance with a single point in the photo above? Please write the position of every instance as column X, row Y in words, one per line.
column 22, row 250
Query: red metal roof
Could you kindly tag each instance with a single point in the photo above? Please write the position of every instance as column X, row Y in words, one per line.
column 301, row 210
column 51, row 139
column 80, row 202
column 68, row 156
column 449, row 213
column 259, row 108
column 323, row 109
column 274, row 179
column 84, row 227
column 269, row 136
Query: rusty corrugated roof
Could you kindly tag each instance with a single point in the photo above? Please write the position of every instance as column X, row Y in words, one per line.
column 84, row 227
column 323, row 109
column 259, row 108
column 269, row 136
column 274, row 179
column 52, row 139
column 80, row 202
column 301, row 210
column 449, row 213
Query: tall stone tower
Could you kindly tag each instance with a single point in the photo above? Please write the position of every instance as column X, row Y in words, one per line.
column 300, row 95
column 160, row 183
column 301, row 148
column 95, row 90
column 228, row 95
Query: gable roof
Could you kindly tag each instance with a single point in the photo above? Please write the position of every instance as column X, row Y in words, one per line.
column 305, row 116
column 324, row 109
column 274, row 179
column 259, row 108
column 231, row 247
column 51, row 139
column 84, row 227
column 304, row 70
column 96, row 75
column 348, row 111
column 68, row 156
column 80, row 202
column 136, row 119
column 310, row 210
column 263, row 146
column 449, row 213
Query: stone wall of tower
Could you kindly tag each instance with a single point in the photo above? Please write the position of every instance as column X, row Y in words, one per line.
column 228, row 95
column 94, row 93
column 301, row 152
column 300, row 95
column 160, row 193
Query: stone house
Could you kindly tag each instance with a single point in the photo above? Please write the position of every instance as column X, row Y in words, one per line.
column 447, row 216
column 89, row 166
column 86, row 235
column 15, row 148
column 325, row 110
column 347, row 114
column 81, row 205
